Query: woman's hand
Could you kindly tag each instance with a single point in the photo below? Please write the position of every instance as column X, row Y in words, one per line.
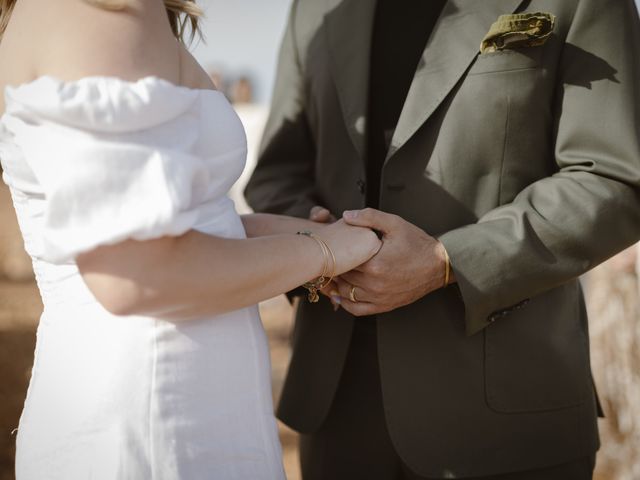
column 352, row 246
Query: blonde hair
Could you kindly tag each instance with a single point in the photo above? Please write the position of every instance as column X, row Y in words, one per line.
column 183, row 15
column 6, row 7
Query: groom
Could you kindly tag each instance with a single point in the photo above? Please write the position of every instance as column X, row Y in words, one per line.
column 505, row 149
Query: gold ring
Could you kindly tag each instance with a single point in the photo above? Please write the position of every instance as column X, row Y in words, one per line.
column 352, row 294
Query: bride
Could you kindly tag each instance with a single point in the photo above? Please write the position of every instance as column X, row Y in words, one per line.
column 151, row 361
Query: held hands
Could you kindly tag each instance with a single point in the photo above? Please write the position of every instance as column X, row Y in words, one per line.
column 409, row 265
column 351, row 245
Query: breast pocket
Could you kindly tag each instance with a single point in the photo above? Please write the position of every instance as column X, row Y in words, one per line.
column 507, row 60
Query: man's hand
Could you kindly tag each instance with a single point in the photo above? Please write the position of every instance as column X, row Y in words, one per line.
column 321, row 215
column 410, row 265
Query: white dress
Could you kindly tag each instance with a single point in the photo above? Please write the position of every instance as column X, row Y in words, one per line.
column 93, row 162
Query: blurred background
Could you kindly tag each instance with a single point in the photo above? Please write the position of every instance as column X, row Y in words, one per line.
column 240, row 53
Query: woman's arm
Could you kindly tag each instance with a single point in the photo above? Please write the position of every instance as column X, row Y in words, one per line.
column 263, row 224
column 186, row 276
column 197, row 274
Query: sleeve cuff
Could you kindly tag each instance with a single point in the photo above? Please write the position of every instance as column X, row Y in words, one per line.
column 482, row 308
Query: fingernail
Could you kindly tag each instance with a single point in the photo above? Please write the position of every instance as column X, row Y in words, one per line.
column 336, row 307
column 350, row 214
column 336, row 298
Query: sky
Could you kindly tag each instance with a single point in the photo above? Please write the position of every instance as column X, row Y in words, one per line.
column 242, row 38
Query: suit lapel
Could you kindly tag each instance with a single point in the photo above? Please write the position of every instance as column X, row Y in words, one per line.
column 453, row 46
column 349, row 26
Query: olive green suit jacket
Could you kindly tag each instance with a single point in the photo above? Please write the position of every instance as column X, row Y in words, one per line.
column 525, row 163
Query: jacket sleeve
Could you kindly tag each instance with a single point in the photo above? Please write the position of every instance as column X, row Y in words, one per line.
column 283, row 181
column 562, row 226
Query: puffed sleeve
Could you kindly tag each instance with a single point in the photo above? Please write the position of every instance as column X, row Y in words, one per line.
column 115, row 160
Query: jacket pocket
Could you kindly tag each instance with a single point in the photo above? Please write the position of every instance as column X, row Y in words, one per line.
column 507, row 60
column 536, row 358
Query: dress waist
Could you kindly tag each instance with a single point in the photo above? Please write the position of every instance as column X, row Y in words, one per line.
column 62, row 287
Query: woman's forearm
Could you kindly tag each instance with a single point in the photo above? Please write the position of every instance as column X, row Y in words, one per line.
column 264, row 224
column 197, row 274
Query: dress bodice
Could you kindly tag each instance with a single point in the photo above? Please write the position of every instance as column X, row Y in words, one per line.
column 94, row 162
column 100, row 160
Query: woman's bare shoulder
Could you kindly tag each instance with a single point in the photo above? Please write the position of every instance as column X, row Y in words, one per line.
column 71, row 39
column 193, row 75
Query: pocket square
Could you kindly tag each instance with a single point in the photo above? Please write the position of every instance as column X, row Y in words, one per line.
column 518, row 30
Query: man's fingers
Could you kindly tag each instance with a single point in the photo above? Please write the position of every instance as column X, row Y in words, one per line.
column 320, row 214
column 331, row 289
column 315, row 211
column 360, row 309
column 333, row 293
column 371, row 218
column 355, row 277
column 347, row 290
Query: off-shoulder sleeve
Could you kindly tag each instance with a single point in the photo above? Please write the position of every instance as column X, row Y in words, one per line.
column 115, row 160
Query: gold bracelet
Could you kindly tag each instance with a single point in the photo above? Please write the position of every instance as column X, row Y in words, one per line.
column 447, row 267
column 324, row 279
column 328, row 253
column 314, row 285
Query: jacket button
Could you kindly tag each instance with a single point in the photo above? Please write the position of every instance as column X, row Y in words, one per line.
column 361, row 186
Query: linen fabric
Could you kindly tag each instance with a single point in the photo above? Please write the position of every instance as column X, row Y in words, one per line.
column 94, row 162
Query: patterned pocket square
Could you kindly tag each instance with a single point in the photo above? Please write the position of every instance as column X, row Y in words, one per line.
column 518, row 30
